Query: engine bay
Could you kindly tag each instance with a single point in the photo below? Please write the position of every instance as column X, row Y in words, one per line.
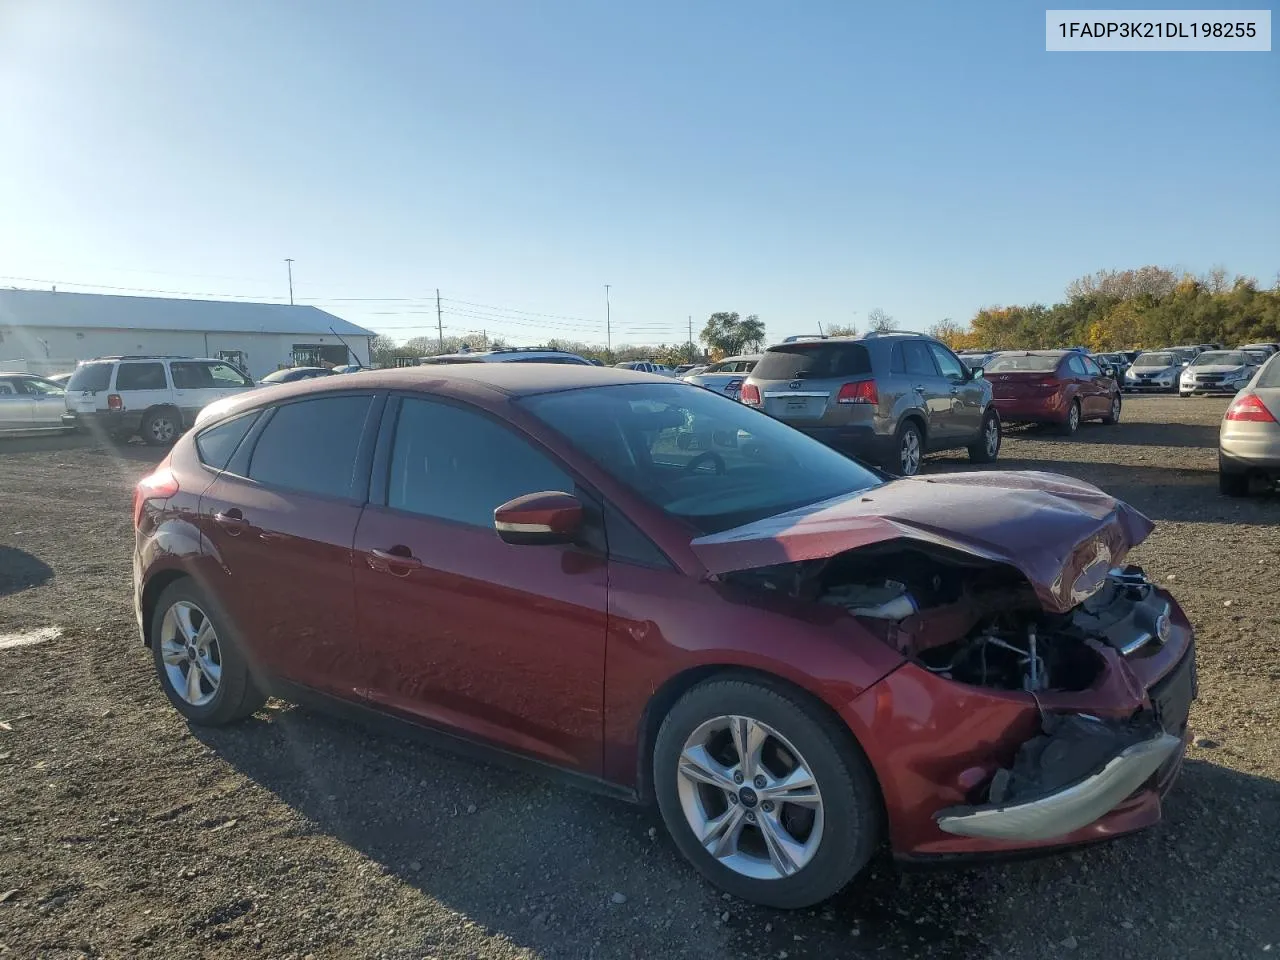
column 974, row 621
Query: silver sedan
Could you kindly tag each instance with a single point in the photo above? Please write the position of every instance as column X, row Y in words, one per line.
column 1249, row 440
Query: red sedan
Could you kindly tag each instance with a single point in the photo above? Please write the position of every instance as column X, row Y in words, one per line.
column 795, row 658
column 1062, row 387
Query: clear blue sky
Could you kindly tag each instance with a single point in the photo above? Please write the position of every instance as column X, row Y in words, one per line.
column 806, row 162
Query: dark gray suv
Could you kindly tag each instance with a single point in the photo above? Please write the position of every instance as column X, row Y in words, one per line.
column 888, row 398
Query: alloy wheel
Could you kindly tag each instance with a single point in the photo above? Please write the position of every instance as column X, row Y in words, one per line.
column 1115, row 408
column 992, row 437
column 191, row 654
column 909, row 455
column 750, row 798
column 163, row 429
column 1073, row 418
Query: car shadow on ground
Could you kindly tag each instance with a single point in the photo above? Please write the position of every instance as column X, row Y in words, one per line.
column 20, row 571
column 1127, row 434
column 105, row 446
column 533, row 860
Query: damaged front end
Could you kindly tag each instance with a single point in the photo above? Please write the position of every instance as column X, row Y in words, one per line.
column 1036, row 703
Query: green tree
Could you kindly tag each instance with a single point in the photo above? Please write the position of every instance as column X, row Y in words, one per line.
column 728, row 333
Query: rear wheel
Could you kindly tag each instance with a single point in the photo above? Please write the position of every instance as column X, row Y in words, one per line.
column 765, row 794
column 201, row 667
column 1113, row 415
column 1069, row 426
column 987, row 447
column 910, row 450
column 160, row 427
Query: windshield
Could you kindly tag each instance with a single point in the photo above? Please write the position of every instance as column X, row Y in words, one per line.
column 1154, row 360
column 697, row 455
column 1220, row 358
column 1012, row 363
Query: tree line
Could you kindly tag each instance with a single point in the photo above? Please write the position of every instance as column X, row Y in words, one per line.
column 1108, row 310
column 1129, row 309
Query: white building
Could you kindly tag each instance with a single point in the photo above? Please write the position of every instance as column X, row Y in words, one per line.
column 47, row 332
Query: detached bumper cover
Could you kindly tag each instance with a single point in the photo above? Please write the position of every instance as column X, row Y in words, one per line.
column 1068, row 809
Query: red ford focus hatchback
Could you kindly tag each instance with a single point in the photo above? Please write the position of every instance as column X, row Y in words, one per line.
column 675, row 598
column 1062, row 387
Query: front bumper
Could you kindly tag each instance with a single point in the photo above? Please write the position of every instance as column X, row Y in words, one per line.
column 1070, row 809
column 1223, row 389
column 936, row 745
column 1149, row 386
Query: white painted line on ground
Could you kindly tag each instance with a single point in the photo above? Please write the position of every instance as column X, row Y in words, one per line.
column 43, row 635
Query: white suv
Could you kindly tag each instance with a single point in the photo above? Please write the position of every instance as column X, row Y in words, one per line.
column 155, row 398
column 507, row 355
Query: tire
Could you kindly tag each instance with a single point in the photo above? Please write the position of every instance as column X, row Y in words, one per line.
column 234, row 696
column 847, row 813
column 907, row 438
column 160, row 427
column 1069, row 426
column 987, row 447
column 1114, row 416
column 1233, row 484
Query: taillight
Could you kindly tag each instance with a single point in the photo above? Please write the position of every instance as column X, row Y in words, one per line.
column 161, row 485
column 863, row 391
column 1250, row 410
column 750, row 395
column 115, row 401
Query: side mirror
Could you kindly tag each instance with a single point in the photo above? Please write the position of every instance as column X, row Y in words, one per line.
column 977, row 373
column 538, row 519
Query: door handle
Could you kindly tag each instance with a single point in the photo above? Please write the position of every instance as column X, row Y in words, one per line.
column 919, row 388
column 385, row 561
column 232, row 521
column 955, row 391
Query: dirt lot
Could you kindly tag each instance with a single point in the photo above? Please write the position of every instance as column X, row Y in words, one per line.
column 125, row 834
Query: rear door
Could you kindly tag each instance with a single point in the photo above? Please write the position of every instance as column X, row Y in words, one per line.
column 932, row 392
column 966, row 394
column 142, row 384
column 15, row 406
column 192, row 387
column 281, row 519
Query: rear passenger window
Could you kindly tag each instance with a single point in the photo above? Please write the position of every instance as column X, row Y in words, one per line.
column 311, row 446
column 915, row 355
column 215, row 445
column 459, row 465
column 190, row 376
column 141, row 376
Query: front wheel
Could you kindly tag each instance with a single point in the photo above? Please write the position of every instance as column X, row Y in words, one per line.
column 987, row 447
column 765, row 794
column 1113, row 415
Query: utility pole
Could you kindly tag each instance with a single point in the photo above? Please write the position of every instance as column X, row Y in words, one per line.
column 691, row 357
column 439, row 321
column 289, row 263
column 608, row 324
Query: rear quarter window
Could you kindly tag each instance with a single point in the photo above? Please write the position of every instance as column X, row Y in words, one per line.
column 216, row 445
column 91, row 376
column 311, row 445
column 792, row 361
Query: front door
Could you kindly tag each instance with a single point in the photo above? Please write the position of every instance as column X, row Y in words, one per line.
column 280, row 522
column 499, row 642
column 15, row 406
column 965, row 392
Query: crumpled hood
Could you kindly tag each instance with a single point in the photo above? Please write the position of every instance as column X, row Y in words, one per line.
column 1064, row 535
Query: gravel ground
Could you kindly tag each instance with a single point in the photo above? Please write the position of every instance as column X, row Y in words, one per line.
column 123, row 833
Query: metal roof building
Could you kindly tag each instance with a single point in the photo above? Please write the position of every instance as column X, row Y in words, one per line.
column 48, row 332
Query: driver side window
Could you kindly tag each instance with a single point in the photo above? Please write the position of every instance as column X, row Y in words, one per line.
column 456, row 464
